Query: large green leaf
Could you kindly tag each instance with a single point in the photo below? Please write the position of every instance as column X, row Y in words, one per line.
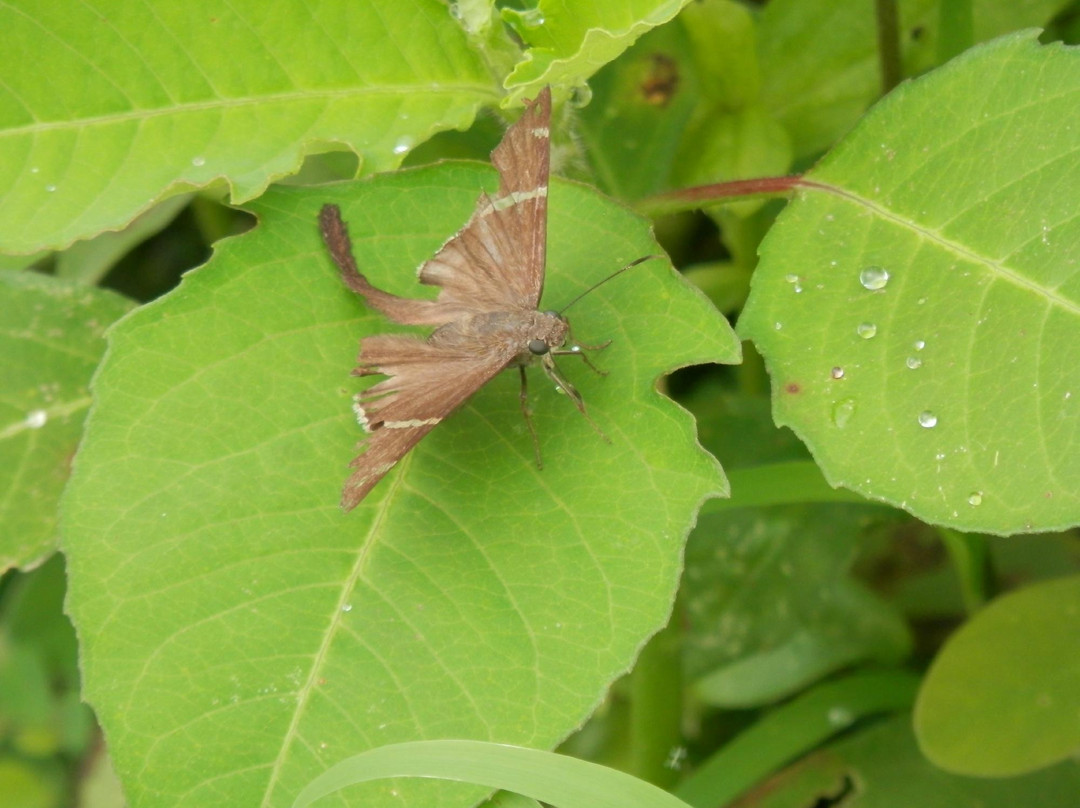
column 50, row 344
column 240, row 633
column 1003, row 696
column 919, row 305
column 105, row 108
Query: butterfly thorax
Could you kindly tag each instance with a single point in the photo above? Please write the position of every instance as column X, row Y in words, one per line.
column 510, row 332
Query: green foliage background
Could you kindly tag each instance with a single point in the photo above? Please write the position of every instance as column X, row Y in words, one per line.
column 915, row 306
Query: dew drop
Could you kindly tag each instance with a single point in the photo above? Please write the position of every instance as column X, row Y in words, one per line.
column 837, row 372
column 842, row 412
column 927, row 419
column 778, row 326
column 913, row 362
column 874, row 278
column 347, row 607
column 50, row 188
column 581, row 95
column 403, row 144
column 36, row 419
column 918, row 344
column 975, row 499
column 198, row 161
column 866, row 330
column 795, row 281
column 34, row 169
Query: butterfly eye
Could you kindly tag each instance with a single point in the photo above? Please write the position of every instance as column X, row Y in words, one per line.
column 538, row 347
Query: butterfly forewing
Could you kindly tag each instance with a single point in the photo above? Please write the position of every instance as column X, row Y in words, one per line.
column 497, row 260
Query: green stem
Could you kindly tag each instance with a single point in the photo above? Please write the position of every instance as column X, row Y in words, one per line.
column 888, row 28
column 656, row 689
column 971, row 558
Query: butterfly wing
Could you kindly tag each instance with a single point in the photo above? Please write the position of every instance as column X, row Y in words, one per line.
column 402, row 310
column 426, row 382
column 496, row 262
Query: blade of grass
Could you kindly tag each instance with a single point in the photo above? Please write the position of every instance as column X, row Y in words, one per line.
column 558, row 780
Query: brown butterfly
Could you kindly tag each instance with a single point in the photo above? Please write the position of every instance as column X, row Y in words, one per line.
column 491, row 275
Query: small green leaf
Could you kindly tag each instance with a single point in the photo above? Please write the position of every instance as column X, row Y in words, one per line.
column 569, row 42
column 1003, row 696
column 136, row 107
column 558, row 780
column 469, row 595
column 919, row 305
column 50, row 344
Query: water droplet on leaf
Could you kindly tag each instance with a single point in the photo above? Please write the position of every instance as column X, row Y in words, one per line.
column 866, row 330
column 842, row 412
column 913, row 362
column 581, row 95
column 927, row 419
column 975, row 499
column 874, row 278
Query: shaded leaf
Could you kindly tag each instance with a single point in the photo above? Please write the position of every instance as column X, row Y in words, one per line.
column 469, row 595
column 793, row 729
column 89, row 261
column 819, row 58
column 1003, row 695
column 881, row 767
column 50, row 344
column 772, row 607
column 920, row 312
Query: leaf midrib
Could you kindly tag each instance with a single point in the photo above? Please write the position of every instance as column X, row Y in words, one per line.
column 999, row 268
column 403, row 90
column 319, row 658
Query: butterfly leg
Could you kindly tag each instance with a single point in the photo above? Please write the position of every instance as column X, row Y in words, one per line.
column 579, row 351
column 552, row 371
column 527, row 413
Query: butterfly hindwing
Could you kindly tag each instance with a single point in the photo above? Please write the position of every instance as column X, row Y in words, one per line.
column 424, row 384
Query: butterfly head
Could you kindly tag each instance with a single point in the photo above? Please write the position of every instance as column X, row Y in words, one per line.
column 549, row 332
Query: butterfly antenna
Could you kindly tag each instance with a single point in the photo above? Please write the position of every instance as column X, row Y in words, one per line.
column 614, row 274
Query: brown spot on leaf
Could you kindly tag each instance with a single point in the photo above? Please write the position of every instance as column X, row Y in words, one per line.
column 660, row 86
column 794, row 388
